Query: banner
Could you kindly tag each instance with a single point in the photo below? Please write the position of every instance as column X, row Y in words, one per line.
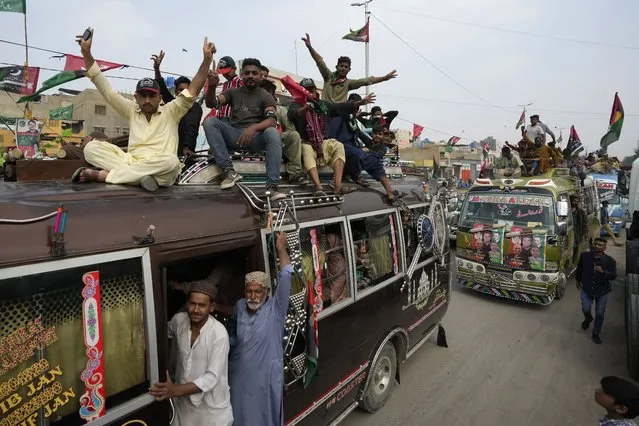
column 28, row 136
column 12, row 79
column 62, row 113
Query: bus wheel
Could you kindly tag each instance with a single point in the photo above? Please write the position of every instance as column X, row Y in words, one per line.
column 382, row 379
column 632, row 345
column 560, row 288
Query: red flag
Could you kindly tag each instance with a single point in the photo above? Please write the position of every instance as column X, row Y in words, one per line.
column 14, row 79
column 76, row 63
column 417, row 130
column 298, row 93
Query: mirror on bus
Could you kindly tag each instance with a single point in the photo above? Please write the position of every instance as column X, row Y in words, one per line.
column 622, row 183
column 562, row 208
column 562, row 229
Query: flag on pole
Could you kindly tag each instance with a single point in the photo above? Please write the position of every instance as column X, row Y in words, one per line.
column 451, row 142
column 574, row 146
column 73, row 70
column 485, row 152
column 417, row 131
column 616, row 122
column 62, row 113
column 362, row 35
column 522, row 120
column 12, row 79
column 16, row 6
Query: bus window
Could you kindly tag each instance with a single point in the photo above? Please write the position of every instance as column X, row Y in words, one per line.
column 376, row 248
column 48, row 308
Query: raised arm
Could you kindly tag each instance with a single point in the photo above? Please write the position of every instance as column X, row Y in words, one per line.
column 319, row 61
column 164, row 91
column 211, row 100
column 360, row 82
column 285, row 276
column 122, row 105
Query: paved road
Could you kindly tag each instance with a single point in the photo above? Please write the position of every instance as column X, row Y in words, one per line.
column 509, row 364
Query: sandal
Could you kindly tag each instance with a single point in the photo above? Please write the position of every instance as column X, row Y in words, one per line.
column 85, row 175
column 361, row 181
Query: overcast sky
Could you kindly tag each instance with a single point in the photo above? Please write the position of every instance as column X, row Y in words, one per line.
column 569, row 83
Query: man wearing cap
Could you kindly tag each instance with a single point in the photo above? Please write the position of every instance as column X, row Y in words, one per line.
column 256, row 361
column 252, row 126
column 150, row 160
column 337, row 84
column 225, row 67
column 189, row 126
column 201, row 389
column 311, row 122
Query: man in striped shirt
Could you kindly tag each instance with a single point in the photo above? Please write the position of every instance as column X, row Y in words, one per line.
column 226, row 66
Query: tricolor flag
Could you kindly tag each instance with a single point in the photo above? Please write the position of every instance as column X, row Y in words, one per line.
column 451, row 142
column 361, row 35
column 13, row 79
column 73, row 70
column 616, row 122
column 522, row 120
column 574, row 146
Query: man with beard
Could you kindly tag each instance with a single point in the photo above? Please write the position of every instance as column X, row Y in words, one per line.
column 594, row 272
column 252, row 125
column 256, row 363
column 201, row 390
column 189, row 126
column 150, row 160
column 337, row 84
column 311, row 122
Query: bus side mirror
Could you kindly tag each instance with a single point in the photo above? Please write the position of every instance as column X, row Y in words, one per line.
column 562, row 208
column 562, row 229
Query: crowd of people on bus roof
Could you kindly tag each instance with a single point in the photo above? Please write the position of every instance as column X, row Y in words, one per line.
column 245, row 116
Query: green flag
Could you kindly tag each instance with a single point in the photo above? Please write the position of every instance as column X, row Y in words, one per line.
column 62, row 113
column 16, row 6
column 56, row 80
column 67, row 132
column 615, row 125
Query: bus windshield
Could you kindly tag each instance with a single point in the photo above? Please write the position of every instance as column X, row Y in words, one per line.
column 506, row 209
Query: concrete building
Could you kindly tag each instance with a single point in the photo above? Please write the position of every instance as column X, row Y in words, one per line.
column 90, row 109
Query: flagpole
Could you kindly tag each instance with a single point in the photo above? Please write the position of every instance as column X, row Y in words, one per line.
column 366, row 50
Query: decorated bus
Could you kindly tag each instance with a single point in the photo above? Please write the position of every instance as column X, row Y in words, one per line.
column 89, row 278
column 516, row 237
column 617, row 206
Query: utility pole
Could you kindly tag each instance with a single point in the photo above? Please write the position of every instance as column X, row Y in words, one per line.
column 366, row 51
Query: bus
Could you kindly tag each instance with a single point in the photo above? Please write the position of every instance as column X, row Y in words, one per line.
column 617, row 206
column 88, row 279
column 516, row 236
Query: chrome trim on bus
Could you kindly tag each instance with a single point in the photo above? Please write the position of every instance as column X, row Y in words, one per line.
column 344, row 414
column 422, row 341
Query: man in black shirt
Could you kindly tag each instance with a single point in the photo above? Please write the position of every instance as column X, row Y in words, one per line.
column 594, row 272
column 189, row 126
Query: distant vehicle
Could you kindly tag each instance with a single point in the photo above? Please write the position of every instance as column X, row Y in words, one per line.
column 617, row 206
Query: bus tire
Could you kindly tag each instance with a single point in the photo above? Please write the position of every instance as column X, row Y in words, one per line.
column 631, row 287
column 632, row 345
column 560, row 287
column 382, row 379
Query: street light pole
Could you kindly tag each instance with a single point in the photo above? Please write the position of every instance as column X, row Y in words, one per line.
column 366, row 51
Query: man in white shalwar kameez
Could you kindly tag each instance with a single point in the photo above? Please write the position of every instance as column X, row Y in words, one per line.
column 150, row 160
column 201, row 391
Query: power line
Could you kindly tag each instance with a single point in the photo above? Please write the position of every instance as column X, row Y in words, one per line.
column 57, row 70
column 435, row 66
column 506, row 30
column 62, row 53
column 435, row 130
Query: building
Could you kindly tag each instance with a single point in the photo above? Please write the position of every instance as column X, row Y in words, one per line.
column 90, row 109
column 403, row 137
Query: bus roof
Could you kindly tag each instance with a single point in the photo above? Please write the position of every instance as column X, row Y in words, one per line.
column 555, row 180
column 104, row 217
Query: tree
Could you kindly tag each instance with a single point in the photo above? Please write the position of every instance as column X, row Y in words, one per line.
column 629, row 159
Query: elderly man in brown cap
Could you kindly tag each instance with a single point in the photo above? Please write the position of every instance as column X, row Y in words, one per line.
column 201, row 390
column 256, row 364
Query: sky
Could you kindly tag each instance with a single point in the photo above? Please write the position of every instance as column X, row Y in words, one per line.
column 456, row 77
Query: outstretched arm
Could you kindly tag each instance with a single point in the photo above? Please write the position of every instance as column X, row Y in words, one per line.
column 122, row 105
column 164, row 91
column 360, row 82
column 285, row 276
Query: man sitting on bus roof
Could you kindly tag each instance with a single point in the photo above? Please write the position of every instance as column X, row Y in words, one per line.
column 201, row 389
column 256, row 361
column 252, row 125
column 509, row 163
column 151, row 159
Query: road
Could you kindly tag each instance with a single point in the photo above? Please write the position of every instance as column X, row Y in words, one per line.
column 509, row 363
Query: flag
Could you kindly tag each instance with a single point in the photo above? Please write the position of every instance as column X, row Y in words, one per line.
column 485, row 152
column 73, row 70
column 417, row 131
column 12, row 79
column 574, row 146
column 16, row 6
column 67, row 132
column 362, row 35
column 522, row 120
column 312, row 353
column 62, row 113
column 298, row 93
column 451, row 142
column 616, row 122
column 561, row 138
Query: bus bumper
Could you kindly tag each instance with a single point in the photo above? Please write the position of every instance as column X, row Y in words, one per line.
column 525, row 286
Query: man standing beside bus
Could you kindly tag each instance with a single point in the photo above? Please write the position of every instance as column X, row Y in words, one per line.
column 201, row 389
column 256, row 362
